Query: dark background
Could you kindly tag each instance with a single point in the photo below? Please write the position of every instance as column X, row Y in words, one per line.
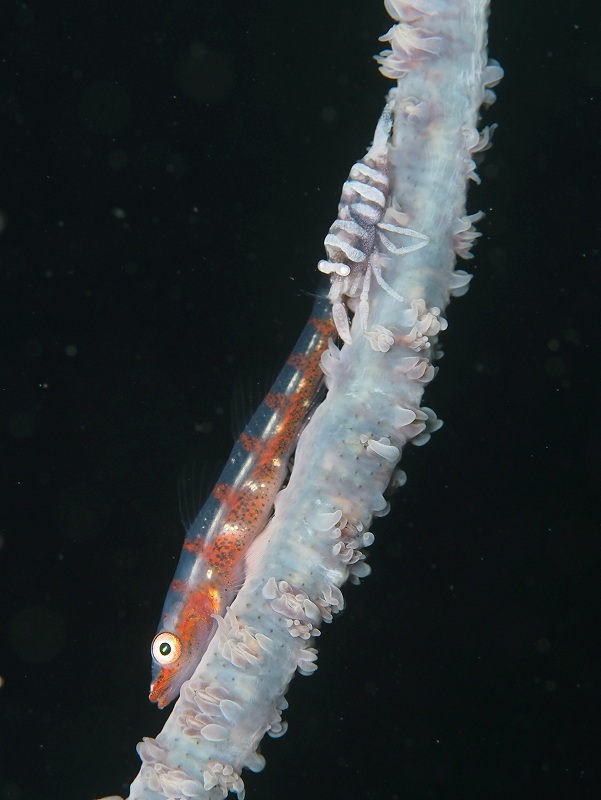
column 169, row 171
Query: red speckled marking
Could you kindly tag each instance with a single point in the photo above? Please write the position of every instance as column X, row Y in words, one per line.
column 248, row 503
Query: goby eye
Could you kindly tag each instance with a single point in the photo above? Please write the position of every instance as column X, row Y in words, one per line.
column 166, row 648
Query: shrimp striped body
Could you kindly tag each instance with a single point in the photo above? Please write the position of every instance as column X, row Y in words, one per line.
column 211, row 566
column 363, row 231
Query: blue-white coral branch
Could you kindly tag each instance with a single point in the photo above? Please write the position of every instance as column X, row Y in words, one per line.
column 348, row 455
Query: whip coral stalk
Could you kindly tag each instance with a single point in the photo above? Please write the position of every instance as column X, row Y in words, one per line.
column 402, row 221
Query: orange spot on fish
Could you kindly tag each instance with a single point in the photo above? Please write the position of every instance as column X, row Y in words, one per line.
column 248, row 442
column 193, row 545
column 223, row 493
